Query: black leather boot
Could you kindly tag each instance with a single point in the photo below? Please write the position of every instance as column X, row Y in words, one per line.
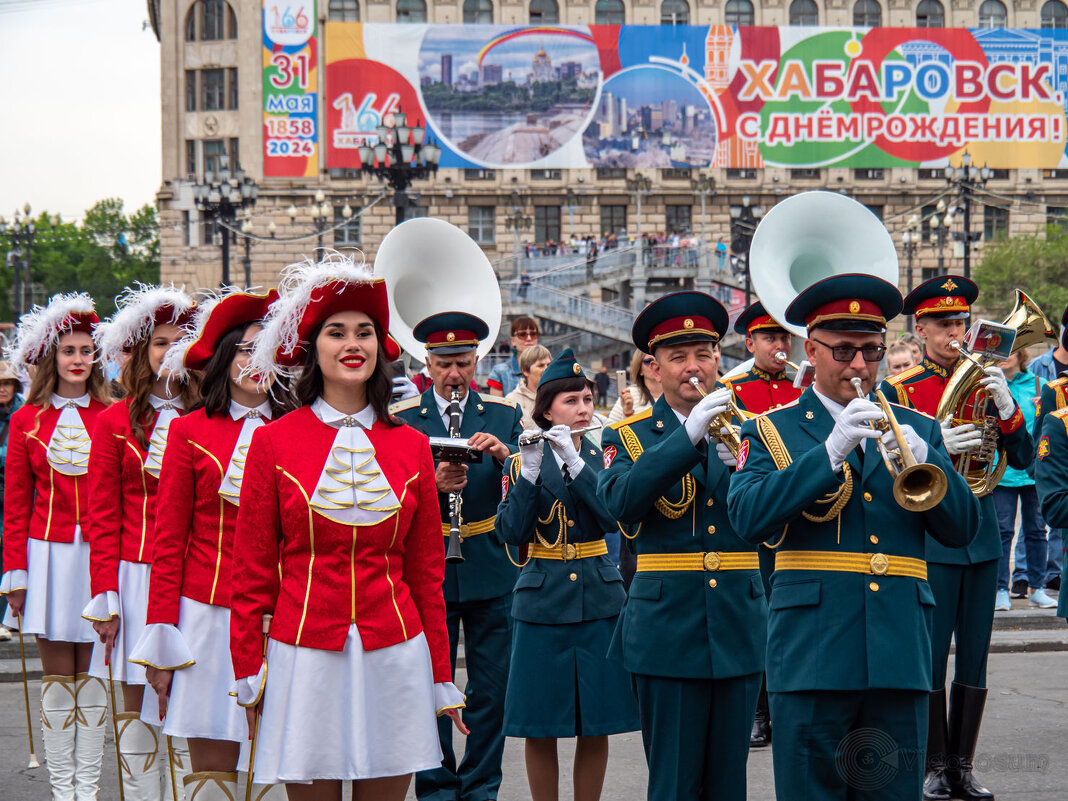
column 935, row 783
column 760, row 737
column 965, row 716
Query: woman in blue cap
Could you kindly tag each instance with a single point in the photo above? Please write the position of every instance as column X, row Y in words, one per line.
column 568, row 595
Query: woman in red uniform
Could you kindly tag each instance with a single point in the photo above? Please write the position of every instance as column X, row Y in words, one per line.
column 46, row 557
column 185, row 647
column 124, row 473
column 340, row 542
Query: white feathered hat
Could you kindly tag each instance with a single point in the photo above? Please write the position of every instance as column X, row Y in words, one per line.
column 140, row 309
column 40, row 329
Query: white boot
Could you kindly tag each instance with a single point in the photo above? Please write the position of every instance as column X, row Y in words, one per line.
column 91, row 723
column 210, row 786
column 174, row 754
column 57, row 721
column 137, row 754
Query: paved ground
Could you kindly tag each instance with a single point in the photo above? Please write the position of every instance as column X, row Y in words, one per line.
column 1022, row 750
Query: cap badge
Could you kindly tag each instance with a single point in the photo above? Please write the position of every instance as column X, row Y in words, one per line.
column 949, row 285
column 450, row 337
column 854, row 307
column 577, row 368
column 687, row 323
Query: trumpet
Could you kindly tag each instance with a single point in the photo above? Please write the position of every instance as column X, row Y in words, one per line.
column 918, row 486
column 722, row 428
column 540, row 435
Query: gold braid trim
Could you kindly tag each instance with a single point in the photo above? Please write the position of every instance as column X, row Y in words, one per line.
column 769, row 435
column 631, row 443
column 673, row 510
column 839, row 498
column 555, row 513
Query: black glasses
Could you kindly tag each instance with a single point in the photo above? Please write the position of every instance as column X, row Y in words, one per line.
column 846, row 353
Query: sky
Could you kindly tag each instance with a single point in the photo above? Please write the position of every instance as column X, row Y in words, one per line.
column 81, row 100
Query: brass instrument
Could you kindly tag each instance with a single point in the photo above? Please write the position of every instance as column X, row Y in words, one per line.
column 540, row 435
column 965, row 401
column 722, row 428
column 456, row 500
column 918, row 486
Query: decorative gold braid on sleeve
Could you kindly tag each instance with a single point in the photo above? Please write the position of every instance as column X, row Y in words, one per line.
column 515, row 467
column 769, row 435
column 631, row 443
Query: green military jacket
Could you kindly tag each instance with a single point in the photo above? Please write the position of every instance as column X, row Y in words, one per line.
column 556, row 512
column 486, row 571
column 1054, row 396
column 671, row 499
column 832, row 629
column 1051, row 469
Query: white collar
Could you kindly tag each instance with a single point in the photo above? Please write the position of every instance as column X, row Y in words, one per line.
column 443, row 403
column 59, row 402
column 365, row 418
column 833, row 407
column 239, row 412
column 159, row 403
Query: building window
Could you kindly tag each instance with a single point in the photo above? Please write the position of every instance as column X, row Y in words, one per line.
column 191, row 26
column 546, row 224
column 611, row 173
column 876, row 210
column 992, row 14
column 1057, row 216
column 234, row 146
column 545, row 175
column 867, row 14
column 805, row 174
column 1056, row 175
column 411, row 10
column 346, row 172
column 995, row 222
column 928, row 214
column 931, row 174
column 213, row 148
column 804, row 12
column 187, row 234
column 349, row 232
column 544, row 11
column 411, row 212
column 674, row 12
column 344, row 11
column 608, row 12
column 1054, row 14
column 869, row 174
column 190, row 90
column 478, row 11
column 930, row 14
column 216, row 20
column 212, row 90
column 613, row 218
column 191, row 158
column 481, row 224
column 478, row 174
column 678, row 218
column 231, row 88
column 927, row 273
column 738, row 12
column 741, row 173
column 675, row 173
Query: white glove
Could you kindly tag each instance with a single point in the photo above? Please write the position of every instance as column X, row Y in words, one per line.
column 403, row 388
column 725, row 455
column 851, row 429
column 916, row 443
column 960, row 439
column 530, row 456
column 559, row 439
column 708, row 407
column 998, row 387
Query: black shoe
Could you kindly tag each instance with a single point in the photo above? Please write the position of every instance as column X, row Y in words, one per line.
column 966, row 787
column 935, row 783
column 760, row 737
column 1054, row 584
column 1019, row 589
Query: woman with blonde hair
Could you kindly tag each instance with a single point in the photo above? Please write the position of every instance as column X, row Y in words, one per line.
column 532, row 363
column 644, row 389
column 46, row 557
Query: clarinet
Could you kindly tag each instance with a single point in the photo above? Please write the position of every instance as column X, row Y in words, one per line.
column 454, row 553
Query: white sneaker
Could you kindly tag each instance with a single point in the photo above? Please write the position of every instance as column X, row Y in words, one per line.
column 5, row 634
column 1002, row 602
column 1040, row 599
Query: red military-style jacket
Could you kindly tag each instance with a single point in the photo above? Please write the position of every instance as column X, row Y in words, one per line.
column 757, row 391
column 39, row 501
column 386, row 578
column 192, row 550
column 122, row 499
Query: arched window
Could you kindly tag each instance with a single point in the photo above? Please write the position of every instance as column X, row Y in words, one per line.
column 1054, row 14
column 992, row 14
column 480, row 11
column 544, row 11
column 608, row 12
column 738, row 12
column 411, row 10
column 344, row 11
column 210, row 21
column 674, row 12
column 804, row 12
column 930, row 14
column 867, row 14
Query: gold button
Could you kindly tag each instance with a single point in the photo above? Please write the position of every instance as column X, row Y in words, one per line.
column 570, row 551
column 571, row 522
column 911, row 390
column 873, row 586
column 867, row 496
column 711, row 529
column 874, row 539
column 711, row 561
column 712, row 583
column 573, row 577
column 708, row 502
column 774, row 386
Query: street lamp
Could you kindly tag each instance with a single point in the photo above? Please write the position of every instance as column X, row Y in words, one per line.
column 516, row 222
column 910, row 239
column 400, row 157
column 21, row 231
column 221, row 197
column 705, row 186
column 744, row 219
column 639, row 186
column 321, row 214
column 965, row 180
column 940, row 231
column 246, row 229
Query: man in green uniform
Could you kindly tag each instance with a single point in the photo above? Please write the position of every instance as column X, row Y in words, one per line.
column 964, row 580
column 849, row 661
column 693, row 629
column 478, row 590
column 1051, row 478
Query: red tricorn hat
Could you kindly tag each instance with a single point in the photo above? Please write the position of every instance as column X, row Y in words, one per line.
column 237, row 308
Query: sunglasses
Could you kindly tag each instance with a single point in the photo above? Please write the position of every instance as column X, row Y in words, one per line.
column 526, row 334
column 846, row 353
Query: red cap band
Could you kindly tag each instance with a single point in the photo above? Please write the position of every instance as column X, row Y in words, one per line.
column 682, row 327
column 846, row 309
column 451, row 339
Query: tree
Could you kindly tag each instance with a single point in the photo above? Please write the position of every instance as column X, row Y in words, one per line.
column 1037, row 264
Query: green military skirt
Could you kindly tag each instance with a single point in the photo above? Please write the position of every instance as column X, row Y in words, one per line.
column 561, row 684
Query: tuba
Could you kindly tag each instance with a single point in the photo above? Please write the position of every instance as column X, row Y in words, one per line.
column 965, row 401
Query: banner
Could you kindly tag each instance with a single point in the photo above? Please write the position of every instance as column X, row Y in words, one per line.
column 290, row 89
column 689, row 96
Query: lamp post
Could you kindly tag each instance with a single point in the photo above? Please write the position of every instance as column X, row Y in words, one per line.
column 321, row 214
column 940, row 231
column 639, row 186
column 966, row 179
column 21, row 231
column 705, row 186
column 744, row 219
column 569, row 193
column 910, row 240
column 246, row 229
column 516, row 222
column 400, row 157
column 221, row 197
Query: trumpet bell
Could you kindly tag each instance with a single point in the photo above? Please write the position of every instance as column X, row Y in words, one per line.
column 920, row 487
column 812, row 236
column 431, row 266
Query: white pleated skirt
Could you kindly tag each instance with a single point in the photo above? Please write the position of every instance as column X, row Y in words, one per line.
column 352, row 714
column 133, row 611
column 57, row 590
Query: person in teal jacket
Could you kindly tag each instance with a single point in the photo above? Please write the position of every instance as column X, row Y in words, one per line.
column 849, row 630
column 693, row 629
column 476, row 590
column 1051, row 479
column 567, row 598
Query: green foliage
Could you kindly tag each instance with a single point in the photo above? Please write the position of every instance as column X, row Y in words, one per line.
column 108, row 251
column 1037, row 264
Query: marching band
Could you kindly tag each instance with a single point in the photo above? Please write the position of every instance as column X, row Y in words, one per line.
column 265, row 550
